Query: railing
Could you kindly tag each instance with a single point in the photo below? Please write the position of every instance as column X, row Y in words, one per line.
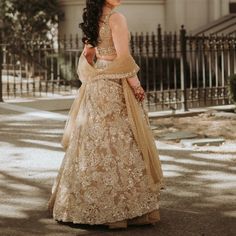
column 178, row 71
column 181, row 72
column 226, row 25
column 40, row 68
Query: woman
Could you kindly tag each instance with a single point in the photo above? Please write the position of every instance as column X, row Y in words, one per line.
column 111, row 173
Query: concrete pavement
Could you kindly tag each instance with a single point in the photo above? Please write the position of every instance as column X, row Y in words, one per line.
column 199, row 199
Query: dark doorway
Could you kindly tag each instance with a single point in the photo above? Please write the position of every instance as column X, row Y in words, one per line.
column 232, row 7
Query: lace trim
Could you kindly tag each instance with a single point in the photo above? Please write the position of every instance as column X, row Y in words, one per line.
column 112, row 76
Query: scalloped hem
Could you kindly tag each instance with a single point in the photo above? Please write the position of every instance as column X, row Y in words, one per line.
column 65, row 220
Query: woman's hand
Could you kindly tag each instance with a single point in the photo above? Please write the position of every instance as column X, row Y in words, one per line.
column 138, row 90
column 89, row 53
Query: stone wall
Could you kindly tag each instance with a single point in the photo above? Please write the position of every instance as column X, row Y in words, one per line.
column 145, row 15
column 141, row 15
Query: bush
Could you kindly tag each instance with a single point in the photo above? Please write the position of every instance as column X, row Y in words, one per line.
column 232, row 88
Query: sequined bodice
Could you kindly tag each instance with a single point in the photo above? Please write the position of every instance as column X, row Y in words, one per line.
column 106, row 45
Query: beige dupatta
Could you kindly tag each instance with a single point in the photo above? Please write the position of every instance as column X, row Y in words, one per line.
column 121, row 68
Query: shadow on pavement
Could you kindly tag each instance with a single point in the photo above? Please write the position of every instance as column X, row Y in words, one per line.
column 199, row 199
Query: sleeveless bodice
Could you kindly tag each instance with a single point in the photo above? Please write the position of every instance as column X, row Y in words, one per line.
column 105, row 46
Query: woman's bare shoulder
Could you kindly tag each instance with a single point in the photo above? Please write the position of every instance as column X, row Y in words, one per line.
column 117, row 19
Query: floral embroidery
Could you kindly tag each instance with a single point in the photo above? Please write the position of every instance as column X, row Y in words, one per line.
column 103, row 177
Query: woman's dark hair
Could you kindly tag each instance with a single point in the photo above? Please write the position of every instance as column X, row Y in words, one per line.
column 91, row 17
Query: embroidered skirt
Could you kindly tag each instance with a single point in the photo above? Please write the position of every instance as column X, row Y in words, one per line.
column 102, row 177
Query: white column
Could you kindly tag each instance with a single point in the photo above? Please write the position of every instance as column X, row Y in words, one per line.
column 215, row 8
column 175, row 14
column 225, row 7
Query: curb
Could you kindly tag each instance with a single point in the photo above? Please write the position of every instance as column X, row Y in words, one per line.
column 64, row 104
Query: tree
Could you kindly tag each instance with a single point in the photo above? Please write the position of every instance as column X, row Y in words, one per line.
column 29, row 23
column 31, row 19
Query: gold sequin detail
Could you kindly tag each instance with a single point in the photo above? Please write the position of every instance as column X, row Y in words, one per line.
column 106, row 45
column 103, row 177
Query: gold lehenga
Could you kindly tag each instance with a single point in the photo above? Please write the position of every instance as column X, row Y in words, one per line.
column 111, row 169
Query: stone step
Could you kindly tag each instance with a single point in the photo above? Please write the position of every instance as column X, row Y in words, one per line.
column 202, row 142
column 226, row 115
column 178, row 135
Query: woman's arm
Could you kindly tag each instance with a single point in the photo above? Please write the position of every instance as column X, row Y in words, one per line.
column 89, row 52
column 120, row 35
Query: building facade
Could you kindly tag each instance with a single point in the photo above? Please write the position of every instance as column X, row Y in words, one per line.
column 145, row 15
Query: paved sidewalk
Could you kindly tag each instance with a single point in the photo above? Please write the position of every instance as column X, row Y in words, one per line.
column 200, row 199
